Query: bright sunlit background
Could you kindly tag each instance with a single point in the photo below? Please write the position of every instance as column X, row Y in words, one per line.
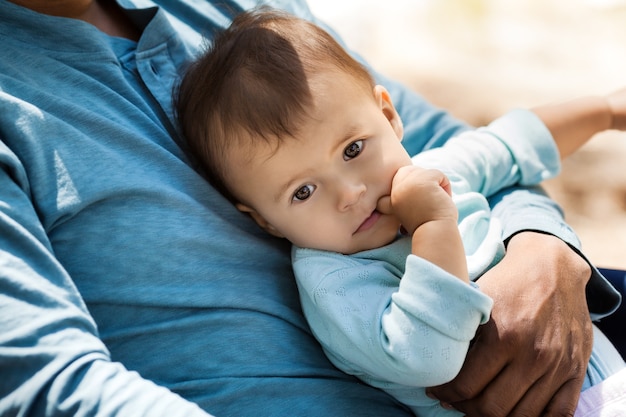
column 480, row 58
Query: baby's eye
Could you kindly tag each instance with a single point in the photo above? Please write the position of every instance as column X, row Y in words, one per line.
column 353, row 150
column 303, row 192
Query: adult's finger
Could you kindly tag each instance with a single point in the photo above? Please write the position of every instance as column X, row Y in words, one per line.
column 564, row 403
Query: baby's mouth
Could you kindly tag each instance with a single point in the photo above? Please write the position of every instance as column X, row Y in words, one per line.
column 368, row 222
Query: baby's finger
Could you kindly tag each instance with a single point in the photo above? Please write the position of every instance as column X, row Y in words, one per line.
column 384, row 205
column 446, row 185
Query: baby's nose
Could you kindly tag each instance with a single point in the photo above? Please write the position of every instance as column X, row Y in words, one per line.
column 350, row 194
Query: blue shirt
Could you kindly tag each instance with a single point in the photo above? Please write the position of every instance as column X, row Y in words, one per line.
column 121, row 270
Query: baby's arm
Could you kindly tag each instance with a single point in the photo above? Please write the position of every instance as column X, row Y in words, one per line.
column 380, row 324
column 525, row 146
column 421, row 200
column 574, row 122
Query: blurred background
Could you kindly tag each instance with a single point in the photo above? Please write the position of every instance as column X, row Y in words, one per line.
column 481, row 58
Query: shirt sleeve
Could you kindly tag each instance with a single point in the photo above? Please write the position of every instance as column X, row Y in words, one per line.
column 49, row 343
column 412, row 330
column 515, row 149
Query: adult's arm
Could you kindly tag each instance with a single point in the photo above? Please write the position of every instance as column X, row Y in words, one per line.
column 532, row 355
column 52, row 361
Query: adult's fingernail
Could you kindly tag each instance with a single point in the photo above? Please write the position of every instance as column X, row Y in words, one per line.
column 430, row 395
column 447, row 406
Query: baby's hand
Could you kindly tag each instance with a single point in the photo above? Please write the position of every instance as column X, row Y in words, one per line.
column 421, row 195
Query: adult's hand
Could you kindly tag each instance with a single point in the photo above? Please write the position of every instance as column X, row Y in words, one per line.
column 530, row 359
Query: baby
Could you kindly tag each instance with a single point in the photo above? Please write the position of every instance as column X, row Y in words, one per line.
column 386, row 247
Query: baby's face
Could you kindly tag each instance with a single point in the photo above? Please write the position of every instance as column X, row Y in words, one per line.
column 321, row 190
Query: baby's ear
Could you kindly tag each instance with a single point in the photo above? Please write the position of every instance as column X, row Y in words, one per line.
column 260, row 220
column 386, row 105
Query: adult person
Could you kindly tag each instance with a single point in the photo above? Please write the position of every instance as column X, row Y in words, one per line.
column 130, row 287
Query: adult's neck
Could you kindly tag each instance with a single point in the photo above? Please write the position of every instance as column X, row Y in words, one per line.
column 106, row 16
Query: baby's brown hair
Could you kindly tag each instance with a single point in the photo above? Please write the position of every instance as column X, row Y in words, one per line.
column 253, row 82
